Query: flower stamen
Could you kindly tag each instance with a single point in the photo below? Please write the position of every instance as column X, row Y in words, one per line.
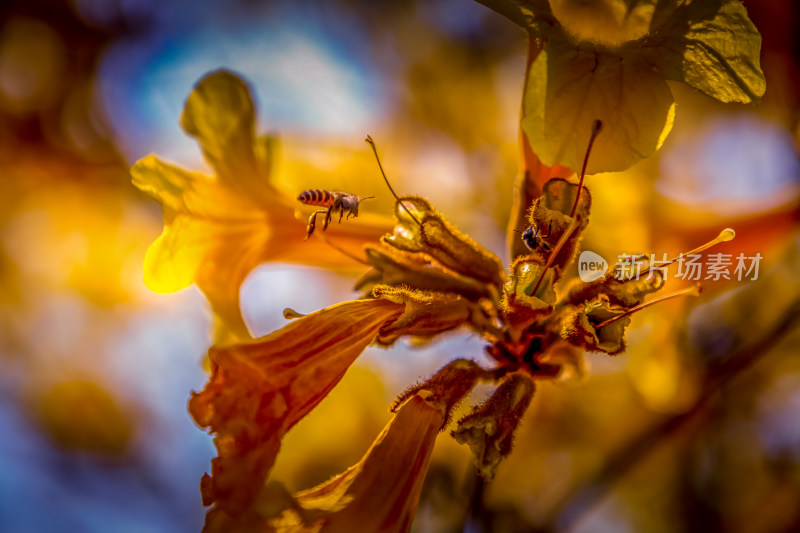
column 724, row 236
column 694, row 290
column 342, row 250
column 291, row 314
column 371, row 143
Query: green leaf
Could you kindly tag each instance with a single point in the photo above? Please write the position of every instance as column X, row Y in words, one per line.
column 569, row 87
column 711, row 45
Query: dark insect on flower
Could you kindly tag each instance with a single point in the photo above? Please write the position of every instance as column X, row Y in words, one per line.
column 535, row 241
column 332, row 200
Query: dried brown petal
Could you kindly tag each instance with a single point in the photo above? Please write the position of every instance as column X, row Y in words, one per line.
column 550, row 215
column 489, row 428
column 396, row 268
column 438, row 238
column 447, row 386
column 426, row 313
column 627, row 293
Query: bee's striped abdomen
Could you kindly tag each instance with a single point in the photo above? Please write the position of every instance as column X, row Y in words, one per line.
column 316, row 197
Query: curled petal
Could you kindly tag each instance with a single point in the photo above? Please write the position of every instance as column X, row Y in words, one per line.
column 258, row 391
column 580, row 327
column 524, row 302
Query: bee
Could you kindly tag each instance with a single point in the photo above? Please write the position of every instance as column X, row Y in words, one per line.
column 534, row 240
column 332, row 201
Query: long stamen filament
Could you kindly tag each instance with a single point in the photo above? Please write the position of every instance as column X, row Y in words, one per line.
column 597, row 126
column 694, row 290
column 369, row 141
column 724, row 236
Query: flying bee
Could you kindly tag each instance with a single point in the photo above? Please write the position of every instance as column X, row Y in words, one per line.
column 534, row 239
column 332, row 201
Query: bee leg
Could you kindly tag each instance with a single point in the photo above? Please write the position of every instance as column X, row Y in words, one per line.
column 328, row 216
column 312, row 223
column 341, row 213
column 549, row 231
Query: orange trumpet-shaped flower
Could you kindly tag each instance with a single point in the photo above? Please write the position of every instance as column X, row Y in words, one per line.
column 382, row 490
column 218, row 228
column 259, row 390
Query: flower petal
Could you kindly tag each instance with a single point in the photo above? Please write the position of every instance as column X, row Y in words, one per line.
column 215, row 237
column 220, row 114
column 550, row 214
column 523, row 306
column 258, row 391
column 380, row 492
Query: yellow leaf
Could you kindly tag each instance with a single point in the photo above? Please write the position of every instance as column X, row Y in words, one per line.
column 712, row 46
column 569, row 87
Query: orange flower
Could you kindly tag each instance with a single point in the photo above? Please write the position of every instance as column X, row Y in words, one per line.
column 259, row 390
column 381, row 491
column 219, row 228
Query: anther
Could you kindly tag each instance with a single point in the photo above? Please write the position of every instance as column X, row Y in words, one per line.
column 291, row 314
column 724, row 236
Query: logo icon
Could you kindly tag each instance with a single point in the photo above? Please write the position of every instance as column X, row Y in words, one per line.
column 591, row 266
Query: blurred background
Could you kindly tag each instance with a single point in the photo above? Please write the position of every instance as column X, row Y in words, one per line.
column 696, row 427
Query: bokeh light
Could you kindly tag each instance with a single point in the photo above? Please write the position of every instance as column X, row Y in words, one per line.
column 694, row 428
